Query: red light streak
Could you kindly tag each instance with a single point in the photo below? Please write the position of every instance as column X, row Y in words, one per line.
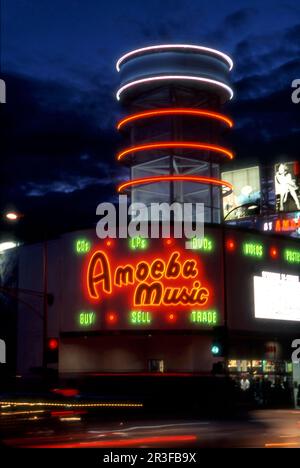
column 281, row 444
column 66, row 392
column 58, row 414
column 175, row 178
column 175, row 144
column 148, row 374
column 122, row 443
column 176, row 111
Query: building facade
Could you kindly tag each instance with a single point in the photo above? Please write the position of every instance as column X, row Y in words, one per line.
column 124, row 306
column 227, row 301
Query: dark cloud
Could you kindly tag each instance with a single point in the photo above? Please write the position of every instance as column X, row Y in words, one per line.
column 292, row 36
column 266, row 128
column 59, row 145
column 239, row 19
column 262, row 53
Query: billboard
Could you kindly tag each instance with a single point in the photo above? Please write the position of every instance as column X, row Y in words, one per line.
column 277, row 296
column 262, row 282
column 123, row 284
column 287, row 186
column 245, row 195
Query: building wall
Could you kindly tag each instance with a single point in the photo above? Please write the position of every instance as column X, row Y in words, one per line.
column 8, row 312
column 240, row 270
column 131, row 353
column 114, row 350
column 30, row 306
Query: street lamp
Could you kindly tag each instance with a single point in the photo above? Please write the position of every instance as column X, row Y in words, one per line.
column 12, row 216
column 7, row 245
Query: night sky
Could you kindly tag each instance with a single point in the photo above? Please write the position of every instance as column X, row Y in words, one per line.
column 58, row 60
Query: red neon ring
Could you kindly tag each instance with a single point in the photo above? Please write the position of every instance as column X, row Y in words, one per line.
column 175, row 144
column 179, row 111
column 175, row 178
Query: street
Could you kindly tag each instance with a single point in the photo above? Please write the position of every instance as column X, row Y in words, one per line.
column 76, row 429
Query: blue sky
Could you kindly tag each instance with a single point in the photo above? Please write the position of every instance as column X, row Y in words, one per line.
column 58, row 59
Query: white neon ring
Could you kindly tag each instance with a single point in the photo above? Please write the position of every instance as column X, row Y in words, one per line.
column 174, row 77
column 175, row 46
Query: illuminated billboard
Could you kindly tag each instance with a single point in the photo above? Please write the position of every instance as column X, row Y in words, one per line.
column 246, row 193
column 143, row 283
column 287, row 186
column 277, row 296
column 262, row 282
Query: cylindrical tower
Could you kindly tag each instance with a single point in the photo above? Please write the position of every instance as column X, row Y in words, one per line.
column 172, row 96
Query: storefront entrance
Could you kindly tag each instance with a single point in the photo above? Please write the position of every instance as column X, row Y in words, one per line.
column 265, row 383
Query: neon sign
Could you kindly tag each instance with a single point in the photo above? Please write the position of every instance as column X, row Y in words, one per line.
column 138, row 317
column 252, row 249
column 226, row 186
column 176, row 144
column 82, row 246
column 175, row 111
column 287, row 225
column 180, row 78
column 208, row 317
column 86, row 319
column 292, row 256
column 204, row 244
column 167, row 47
column 156, row 282
column 138, row 243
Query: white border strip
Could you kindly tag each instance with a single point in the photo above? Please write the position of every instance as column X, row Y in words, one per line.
column 174, row 77
column 175, row 46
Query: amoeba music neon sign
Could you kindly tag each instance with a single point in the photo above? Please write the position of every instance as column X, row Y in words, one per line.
column 175, row 280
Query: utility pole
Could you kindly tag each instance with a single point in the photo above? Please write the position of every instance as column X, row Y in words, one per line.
column 45, row 302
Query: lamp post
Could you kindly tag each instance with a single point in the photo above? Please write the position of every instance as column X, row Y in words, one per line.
column 12, row 216
column 45, row 302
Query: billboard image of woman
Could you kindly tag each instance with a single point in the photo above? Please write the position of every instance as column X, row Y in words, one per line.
column 287, row 187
